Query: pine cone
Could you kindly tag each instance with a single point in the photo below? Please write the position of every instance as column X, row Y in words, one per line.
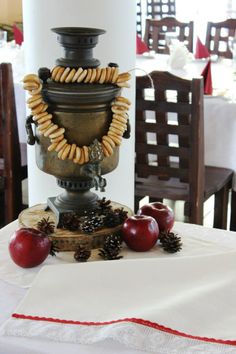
column 123, row 214
column 111, row 248
column 82, row 254
column 111, row 219
column 54, row 248
column 170, row 242
column 104, row 206
column 90, row 224
column 70, row 221
column 46, row 226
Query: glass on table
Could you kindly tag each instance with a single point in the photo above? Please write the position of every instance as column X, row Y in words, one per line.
column 3, row 38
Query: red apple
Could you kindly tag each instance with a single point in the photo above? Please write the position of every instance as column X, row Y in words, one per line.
column 140, row 232
column 163, row 214
column 29, row 247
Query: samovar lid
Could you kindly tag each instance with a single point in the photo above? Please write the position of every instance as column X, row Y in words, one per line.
column 78, row 44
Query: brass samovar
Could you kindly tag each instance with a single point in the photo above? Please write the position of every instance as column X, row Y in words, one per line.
column 84, row 110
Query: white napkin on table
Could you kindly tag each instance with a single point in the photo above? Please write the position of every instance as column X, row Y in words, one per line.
column 179, row 55
column 146, row 304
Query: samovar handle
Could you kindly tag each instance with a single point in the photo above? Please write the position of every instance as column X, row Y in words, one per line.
column 28, row 126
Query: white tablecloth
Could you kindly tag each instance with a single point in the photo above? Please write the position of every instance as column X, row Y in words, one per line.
column 219, row 111
column 197, row 242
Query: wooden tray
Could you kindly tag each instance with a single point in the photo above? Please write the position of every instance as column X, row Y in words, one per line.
column 65, row 240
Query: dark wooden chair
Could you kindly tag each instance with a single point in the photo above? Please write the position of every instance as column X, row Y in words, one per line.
column 217, row 36
column 155, row 33
column 11, row 171
column 169, row 146
column 157, row 9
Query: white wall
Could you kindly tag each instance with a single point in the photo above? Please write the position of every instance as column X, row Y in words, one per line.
column 118, row 18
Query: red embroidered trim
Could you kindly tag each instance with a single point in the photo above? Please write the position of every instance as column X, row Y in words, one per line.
column 133, row 320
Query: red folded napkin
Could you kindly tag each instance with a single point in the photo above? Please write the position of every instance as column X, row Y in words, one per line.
column 201, row 50
column 18, row 35
column 206, row 73
column 141, row 47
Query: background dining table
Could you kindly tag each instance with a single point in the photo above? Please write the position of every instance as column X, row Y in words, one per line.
column 219, row 108
column 201, row 246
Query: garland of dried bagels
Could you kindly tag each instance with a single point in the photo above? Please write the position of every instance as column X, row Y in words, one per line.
column 56, row 134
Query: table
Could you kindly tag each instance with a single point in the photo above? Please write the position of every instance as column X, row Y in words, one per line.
column 219, row 110
column 197, row 241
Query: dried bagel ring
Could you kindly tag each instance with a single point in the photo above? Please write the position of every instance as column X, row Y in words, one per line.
column 60, row 145
column 36, row 91
column 70, row 76
column 114, row 137
column 31, row 77
column 59, row 74
column 56, row 140
column 105, row 151
column 120, row 118
column 109, row 140
column 81, row 159
column 77, row 155
column 93, row 76
column 108, row 147
column 115, row 75
column 72, row 152
column 123, row 99
column 64, row 74
column 52, row 147
column 123, row 84
column 44, row 118
column 50, row 130
column 44, row 125
column 66, row 151
column 86, row 154
column 61, row 151
column 57, row 133
column 102, row 76
column 82, row 76
column 98, row 74
column 88, row 76
column 42, row 107
column 54, row 72
column 77, row 74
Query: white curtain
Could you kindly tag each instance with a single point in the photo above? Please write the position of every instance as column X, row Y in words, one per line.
column 202, row 11
column 231, row 8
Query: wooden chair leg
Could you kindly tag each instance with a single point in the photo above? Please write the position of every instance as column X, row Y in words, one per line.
column 233, row 212
column 194, row 213
column 136, row 203
column 221, row 208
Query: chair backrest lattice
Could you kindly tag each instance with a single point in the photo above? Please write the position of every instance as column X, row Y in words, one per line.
column 139, row 17
column 157, row 9
column 155, row 31
column 169, row 138
column 217, row 37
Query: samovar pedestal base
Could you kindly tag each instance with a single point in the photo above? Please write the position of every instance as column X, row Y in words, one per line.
column 60, row 210
column 76, row 198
